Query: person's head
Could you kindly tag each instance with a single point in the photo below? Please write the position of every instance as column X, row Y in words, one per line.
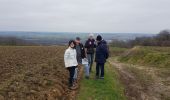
column 78, row 40
column 91, row 36
column 99, row 38
column 71, row 43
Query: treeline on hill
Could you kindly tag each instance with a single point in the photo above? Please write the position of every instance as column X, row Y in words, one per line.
column 13, row 41
column 161, row 39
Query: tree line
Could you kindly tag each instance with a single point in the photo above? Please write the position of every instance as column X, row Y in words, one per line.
column 161, row 39
column 13, row 41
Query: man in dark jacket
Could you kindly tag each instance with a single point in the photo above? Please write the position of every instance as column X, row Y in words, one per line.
column 89, row 47
column 101, row 56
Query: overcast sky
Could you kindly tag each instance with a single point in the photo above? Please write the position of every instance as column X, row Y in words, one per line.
column 148, row 16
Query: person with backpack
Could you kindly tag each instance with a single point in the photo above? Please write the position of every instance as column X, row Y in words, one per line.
column 90, row 50
column 101, row 56
column 70, row 60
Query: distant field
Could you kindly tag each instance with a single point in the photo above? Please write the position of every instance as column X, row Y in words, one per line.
column 60, row 38
column 32, row 73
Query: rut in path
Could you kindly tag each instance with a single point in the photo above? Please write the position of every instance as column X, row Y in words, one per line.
column 133, row 88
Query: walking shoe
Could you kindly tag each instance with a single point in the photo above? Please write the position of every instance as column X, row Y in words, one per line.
column 101, row 77
column 87, row 77
column 73, row 87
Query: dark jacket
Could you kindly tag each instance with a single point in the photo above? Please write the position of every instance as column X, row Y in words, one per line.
column 82, row 51
column 90, row 45
column 101, row 52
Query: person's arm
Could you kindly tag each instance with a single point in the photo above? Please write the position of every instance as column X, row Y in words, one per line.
column 85, row 51
column 85, row 48
column 86, row 44
column 107, row 52
column 76, row 58
column 105, row 49
column 66, row 57
column 95, row 44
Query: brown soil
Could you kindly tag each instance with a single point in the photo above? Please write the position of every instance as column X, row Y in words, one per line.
column 34, row 73
column 71, row 94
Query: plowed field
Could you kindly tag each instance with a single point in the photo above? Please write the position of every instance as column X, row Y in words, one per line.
column 33, row 73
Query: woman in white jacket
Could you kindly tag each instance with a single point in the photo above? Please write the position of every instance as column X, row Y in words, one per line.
column 70, row 61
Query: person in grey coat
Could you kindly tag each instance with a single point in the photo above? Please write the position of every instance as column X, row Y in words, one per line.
column 81, row 57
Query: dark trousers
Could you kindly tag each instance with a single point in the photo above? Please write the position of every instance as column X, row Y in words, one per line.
column 100, row 69
column 71, row 71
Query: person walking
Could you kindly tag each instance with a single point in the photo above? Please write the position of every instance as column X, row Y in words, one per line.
column 81, row 57
column 90, row 50
column 70, row 61
column 100, row 57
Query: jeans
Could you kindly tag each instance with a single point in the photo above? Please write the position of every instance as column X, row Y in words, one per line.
column 71, row 71
column 86, row 69
column 90, row 58
column 75, row 74
column 100, row 69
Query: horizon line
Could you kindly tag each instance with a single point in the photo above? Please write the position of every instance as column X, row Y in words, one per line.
column 84, row 32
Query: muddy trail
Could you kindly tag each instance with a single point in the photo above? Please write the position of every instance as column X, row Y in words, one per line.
column 71, row 94
column 139, row 88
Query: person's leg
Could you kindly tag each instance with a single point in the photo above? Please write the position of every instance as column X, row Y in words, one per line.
column 75, row 73
column 92, row 59
column 71, row 70
column 91, row 64
column 86, row 70
column 102, row 70
column 97, row 70
column 89, row 60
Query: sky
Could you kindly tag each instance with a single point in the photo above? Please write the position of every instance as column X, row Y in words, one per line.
column 140, row 16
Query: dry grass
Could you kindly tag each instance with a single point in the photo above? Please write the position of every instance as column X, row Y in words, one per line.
column 150, row 56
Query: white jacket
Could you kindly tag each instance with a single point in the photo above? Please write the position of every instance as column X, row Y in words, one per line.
column 70, row 57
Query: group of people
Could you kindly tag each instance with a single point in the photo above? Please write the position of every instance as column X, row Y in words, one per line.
column 78, row 54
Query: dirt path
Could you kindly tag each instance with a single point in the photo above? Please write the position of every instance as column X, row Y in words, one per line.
column 135, row 90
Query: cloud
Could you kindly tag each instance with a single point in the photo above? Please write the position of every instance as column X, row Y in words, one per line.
column 85, row 15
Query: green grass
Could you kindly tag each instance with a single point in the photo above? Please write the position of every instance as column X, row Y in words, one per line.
column 116, row 51
column 151, row 56
column 107, row 89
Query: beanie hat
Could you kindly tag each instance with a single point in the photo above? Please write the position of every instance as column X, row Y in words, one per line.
column 91, row 35
column 99, row 38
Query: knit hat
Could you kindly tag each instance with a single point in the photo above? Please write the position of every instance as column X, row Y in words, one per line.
column 99, row 38
column 91, row 35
